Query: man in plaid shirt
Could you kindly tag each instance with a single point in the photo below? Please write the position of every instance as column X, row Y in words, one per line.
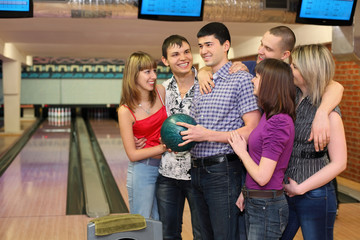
column 216, row 171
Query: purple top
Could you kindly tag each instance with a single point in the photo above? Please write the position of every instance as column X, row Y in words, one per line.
column 273, row 139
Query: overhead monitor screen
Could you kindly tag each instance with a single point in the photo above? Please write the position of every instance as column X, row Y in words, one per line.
column 171, row 10
column 14, row 5
column 16, row 8
column 327, row 12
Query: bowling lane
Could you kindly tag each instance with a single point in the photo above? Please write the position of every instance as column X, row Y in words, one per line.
column 35, row 183
column 108, row 136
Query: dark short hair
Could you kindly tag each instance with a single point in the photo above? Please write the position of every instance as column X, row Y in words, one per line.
column 219, row 30
column 288, row 38
column 171, row 41
column 277, row 89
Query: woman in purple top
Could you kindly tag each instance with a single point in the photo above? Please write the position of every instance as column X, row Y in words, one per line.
column 270, row 146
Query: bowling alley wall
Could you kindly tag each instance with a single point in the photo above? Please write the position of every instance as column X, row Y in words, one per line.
column 75, row 81
column 348, row 74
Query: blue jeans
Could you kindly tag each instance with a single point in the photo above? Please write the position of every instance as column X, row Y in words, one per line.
column 171, row 194
column 314, row 212
column 266, row 218
column 141, row 184
column 216, row 189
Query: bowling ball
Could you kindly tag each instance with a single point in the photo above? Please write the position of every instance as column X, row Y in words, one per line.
column 170, row 132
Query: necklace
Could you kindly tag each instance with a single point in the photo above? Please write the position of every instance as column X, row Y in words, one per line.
column 147, row 111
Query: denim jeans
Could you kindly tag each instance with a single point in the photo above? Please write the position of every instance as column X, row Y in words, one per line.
column 141, row 184
column 216, row 189
column 314, row 212
column 171, row 194
column 266, row 218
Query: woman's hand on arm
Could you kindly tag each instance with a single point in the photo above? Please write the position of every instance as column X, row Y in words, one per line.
column 238, row 143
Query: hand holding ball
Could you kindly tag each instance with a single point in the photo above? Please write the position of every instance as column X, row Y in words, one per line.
column 170, row 132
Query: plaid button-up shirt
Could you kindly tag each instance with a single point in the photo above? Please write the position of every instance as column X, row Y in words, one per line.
column 223, row 108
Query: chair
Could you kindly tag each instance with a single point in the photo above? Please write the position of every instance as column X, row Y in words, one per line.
column 153, row 231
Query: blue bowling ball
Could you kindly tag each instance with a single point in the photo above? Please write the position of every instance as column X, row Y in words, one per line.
column 170, row 132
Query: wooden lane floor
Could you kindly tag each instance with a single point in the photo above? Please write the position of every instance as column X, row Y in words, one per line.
column 35, row 209
column 33, row 190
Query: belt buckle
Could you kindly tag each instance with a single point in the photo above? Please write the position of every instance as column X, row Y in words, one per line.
column 197, row 162
column 193, row 163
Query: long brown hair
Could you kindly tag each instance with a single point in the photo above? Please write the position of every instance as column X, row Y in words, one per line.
column 135, row 63
column 277, row 90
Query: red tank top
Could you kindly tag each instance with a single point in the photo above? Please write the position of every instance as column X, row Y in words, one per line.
column 149, row 127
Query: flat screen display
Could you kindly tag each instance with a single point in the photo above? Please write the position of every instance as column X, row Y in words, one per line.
column 171, row 10
column 16, row 8
column 326, row 12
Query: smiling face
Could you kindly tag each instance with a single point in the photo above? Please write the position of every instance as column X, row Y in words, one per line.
column 271, row 47
column 146, row 79
column 179, row 58
column 212, row 52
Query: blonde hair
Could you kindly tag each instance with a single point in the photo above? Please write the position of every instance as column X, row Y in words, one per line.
column 317, row 67
column 135, row 63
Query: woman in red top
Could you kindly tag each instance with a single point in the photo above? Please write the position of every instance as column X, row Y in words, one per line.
column 141, row 114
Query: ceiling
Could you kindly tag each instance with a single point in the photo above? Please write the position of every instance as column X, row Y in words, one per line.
column 49, row 36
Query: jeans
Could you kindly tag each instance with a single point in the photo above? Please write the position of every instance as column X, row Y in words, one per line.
column 266, row 218
column 141, row 184
column 171, row 194
column 314, row 212
column 216, row 189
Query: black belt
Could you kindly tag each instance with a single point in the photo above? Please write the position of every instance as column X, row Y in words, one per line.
column 310, row 155
column 212, row 160
column 249, row 193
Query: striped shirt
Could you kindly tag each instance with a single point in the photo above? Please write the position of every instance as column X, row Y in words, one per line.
column 223, row 108
column 304, row 161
